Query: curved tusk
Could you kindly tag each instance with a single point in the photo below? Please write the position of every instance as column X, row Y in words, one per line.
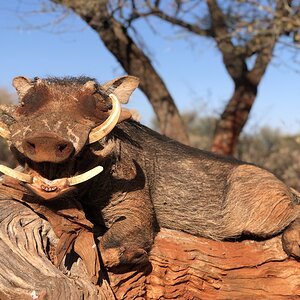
column 85, row 176
column 4, row 131
column 16, row 174
column 108, row 125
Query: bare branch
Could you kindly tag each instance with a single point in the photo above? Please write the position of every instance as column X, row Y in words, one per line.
column 269, row 40
column 175, row 21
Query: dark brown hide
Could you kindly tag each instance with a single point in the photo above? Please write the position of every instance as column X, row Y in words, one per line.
column 149, row 181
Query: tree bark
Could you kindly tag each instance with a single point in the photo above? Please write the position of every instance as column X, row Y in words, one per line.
column 182, row 266
column 246, row 81
column 233, row 119
column 134, row 61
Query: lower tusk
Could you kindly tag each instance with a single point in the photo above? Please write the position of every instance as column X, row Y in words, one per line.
column 70, row 181
column 16, row 174
column 85, row 176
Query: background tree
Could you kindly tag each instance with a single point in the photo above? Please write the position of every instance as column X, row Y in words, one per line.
column 246, row 33
column 275, row 151
column 247, row 29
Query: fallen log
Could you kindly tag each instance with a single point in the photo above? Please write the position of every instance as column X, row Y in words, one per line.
column 182, row 266
column 188, row 267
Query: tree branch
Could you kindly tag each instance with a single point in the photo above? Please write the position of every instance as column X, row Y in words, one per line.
column 193, row 28
column 233, row 60
column 265, row 55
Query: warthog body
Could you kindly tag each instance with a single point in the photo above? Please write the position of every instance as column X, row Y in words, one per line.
column 148, row 181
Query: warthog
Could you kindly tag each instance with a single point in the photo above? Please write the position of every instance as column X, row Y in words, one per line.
column 73, row 139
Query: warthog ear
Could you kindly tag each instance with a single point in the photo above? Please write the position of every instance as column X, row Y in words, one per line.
column 121, row 87
column 22, row 85
column 129, row 114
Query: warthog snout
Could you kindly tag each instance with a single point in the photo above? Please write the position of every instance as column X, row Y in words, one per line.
column 47, row 148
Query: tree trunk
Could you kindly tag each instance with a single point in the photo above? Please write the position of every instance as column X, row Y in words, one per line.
column 134, row 61
column 233, row 119
column 236, row 112
column 183, row 266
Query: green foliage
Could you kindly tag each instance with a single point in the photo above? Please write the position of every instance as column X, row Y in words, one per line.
column 200, row 129
column 275, row 151
column 5, row 155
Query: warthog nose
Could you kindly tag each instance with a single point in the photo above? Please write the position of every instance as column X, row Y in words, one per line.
column 47, row 148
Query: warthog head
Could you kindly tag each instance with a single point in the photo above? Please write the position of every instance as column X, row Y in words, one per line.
column 55, row 124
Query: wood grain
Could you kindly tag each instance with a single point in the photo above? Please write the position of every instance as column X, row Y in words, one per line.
column 182, row 266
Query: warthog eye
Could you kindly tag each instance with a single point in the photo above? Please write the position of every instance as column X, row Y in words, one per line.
column 62, row 147
column 31, row 145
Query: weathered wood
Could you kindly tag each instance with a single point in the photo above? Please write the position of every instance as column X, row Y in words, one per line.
column 188, row 267
column 25, row 269
column 183, row 267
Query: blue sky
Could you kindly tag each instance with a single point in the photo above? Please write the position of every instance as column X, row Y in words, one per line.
column 191, row 68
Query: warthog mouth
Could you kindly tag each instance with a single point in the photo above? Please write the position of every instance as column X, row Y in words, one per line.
column 49, row 189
